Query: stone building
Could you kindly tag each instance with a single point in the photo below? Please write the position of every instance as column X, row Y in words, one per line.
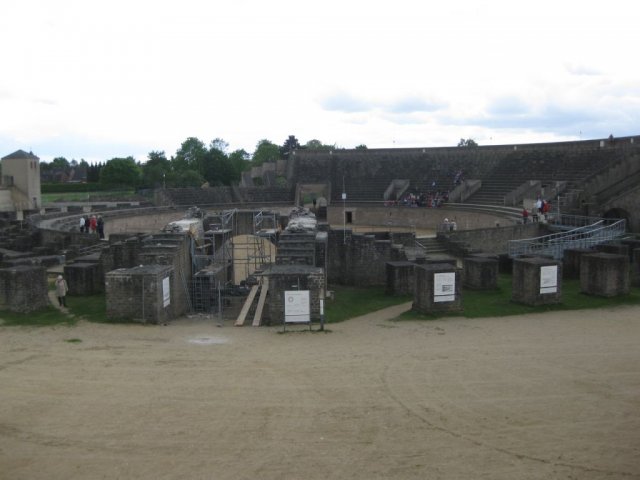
column 20, row 182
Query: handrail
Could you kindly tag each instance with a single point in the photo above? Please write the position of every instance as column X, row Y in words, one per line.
column 582, row 237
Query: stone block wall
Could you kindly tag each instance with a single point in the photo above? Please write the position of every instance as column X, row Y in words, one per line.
column 604, row 274
column 23, row 289
column 138, row 294
column 533, row 283
column 173, row 256
column 615, row 248
column 635, row 268
column 84, row 278
column 571, row 261
column 431, row 294
column 321, row 253
column 360, row 259
column 481, row 273
column 292, row 277
column 400, row 278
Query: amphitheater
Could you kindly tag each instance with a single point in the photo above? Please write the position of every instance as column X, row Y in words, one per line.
column 525, row 397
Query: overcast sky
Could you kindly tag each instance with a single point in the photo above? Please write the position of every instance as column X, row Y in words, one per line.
column 97, row 80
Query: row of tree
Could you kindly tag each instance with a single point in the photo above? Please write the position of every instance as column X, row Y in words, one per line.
column 193, row 164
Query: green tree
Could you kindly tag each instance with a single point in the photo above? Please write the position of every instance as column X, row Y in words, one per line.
column 218, row 144
column 469, row 142
column 120, row 172
column 60, row 163
column 266, row 151
column 190, row 155
column 318, row 145
column 185, row 178
column 93, row 172
column 240, row 160
column 362, row 146
column 290, row 144
column 156, row 169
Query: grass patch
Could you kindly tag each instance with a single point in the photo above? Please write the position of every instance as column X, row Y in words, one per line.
column 352, row 302
column 84, row 196
column 92, row 308
column 73, row 340
column 44, row 317
column 497, row 303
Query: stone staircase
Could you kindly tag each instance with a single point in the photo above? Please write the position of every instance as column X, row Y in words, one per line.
column 296, row 249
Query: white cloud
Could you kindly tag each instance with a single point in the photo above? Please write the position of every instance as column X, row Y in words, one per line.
column 104, row 78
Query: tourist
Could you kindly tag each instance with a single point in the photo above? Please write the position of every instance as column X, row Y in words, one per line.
column 81, row 224
column 61, row 290
column 93, row 223
column 100, row 227
column 525, row 215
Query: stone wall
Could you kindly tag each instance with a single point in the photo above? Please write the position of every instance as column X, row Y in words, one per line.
column 604, row 274
column 492, row 240
column 292, row 277
column 420, row 218
column 360, row 259
column 431, row 297
column 138, row 294
column 23, row 288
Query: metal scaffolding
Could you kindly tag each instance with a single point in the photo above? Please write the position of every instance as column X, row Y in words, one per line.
column 228, row 257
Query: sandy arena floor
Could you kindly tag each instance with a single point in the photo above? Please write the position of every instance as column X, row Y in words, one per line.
column 554, row 396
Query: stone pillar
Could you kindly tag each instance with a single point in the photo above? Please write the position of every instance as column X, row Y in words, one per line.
column 616, row 248
column 604, row 274
column 635, row 266
column 441, row 258
column 571, row 261
column 84, row 278
column 480, row 273
column 536, row 281
column 140, row 293
column 23, row 288
column 437, row 288
column 400, row 278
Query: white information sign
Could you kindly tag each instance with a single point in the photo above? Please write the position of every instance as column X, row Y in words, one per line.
column 296, row 306
column 444, row 287
column 166, row 292
column 549, row 279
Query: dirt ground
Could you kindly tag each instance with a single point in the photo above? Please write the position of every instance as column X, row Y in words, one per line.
column 553, row 396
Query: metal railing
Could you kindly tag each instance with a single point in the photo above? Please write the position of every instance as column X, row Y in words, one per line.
column 584, row 236
column 568, row 222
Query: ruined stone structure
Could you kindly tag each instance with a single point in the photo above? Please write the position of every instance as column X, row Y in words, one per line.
column 293, row 277
column 480, row 272
column 571, row 261
column 604, row 274
column 536, row 281
column 437, row 289
column 141, row 293
column 604, row 169
column 400, row 278
column 23, row 288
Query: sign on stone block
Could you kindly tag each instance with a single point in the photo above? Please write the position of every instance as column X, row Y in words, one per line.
column 548, row 279
column 444, row 287
column 166, row 292
column 297, row 306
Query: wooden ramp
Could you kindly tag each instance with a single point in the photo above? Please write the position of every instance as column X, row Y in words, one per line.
column 257, row 317
column 247, row 306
